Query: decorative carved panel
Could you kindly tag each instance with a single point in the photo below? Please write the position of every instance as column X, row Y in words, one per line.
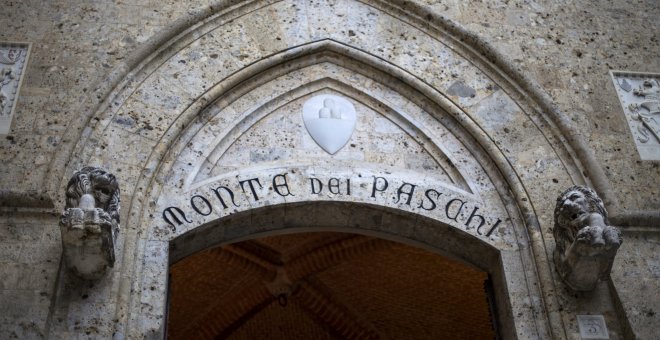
column 639, row 95
column 13, row 59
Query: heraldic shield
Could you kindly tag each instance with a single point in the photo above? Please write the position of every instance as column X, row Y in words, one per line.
column 330, row 120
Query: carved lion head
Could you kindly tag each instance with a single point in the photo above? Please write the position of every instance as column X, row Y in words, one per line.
column 574, row 203
column 100, row 184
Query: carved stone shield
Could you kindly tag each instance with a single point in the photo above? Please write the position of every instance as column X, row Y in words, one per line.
column 330, row 120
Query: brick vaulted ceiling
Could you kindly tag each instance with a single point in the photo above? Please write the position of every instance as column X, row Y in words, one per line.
column 326, row 285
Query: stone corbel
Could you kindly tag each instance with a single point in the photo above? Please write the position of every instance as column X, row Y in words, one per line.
column 585, row 242
column 90, row 223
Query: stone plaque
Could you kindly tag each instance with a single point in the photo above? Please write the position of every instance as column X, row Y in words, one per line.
column 330, row 120
column 639, row 95
column 13, row 59
column 592, row 327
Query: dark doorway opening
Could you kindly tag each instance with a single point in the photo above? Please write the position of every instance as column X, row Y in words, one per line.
column 326, row 285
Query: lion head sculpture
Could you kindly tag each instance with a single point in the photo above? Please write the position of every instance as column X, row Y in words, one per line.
column 573, row 206
column 585, row 242
column 102, row 185
column 90, row 222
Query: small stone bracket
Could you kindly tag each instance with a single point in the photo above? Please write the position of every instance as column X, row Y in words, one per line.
column 90, row 223
column 585, row 242
column 13, row 61
column 639, row 95
column 592, row 327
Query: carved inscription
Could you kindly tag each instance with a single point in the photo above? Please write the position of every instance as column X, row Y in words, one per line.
column 13, row 59
column 222, row 200
column 592, row 327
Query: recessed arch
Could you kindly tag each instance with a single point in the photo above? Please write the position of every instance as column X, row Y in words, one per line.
column 165, row 156
column 197, row 114
column 421, row 134
column 201, row 114
column 168, row 157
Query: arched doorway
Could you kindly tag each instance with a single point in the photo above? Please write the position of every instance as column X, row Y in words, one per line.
column 320, row 285
column 367, row 263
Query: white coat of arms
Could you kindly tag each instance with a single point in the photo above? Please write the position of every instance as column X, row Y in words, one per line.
column 330, row 120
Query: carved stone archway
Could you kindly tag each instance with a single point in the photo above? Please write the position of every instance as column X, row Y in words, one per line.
column 471, row 144
column 207, row 187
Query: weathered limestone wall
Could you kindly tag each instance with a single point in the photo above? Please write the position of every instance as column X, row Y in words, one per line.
column 80, row 47
column 30, row 251
column 637, row 281
column 566, row 47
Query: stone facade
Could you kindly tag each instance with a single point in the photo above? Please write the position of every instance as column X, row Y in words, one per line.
column 471, row 118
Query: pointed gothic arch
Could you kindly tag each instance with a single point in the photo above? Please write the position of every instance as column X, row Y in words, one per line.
column 176, row 188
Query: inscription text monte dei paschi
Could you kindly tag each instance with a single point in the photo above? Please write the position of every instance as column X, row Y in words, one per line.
column 225, row 199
